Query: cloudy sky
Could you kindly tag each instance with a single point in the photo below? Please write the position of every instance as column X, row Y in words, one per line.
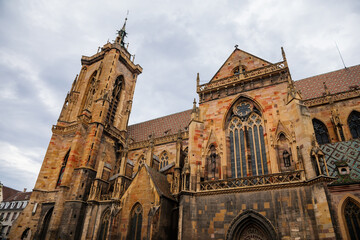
column 41, row 43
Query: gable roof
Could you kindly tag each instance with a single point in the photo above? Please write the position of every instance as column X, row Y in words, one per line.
column 237, row 57
column 8, row 192
column 336, row 82
column 161, row 184
column 159, row 126
column 19, row 196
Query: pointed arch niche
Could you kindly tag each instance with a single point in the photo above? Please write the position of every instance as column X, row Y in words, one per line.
column 284, row 152
column 245, row 134
column 349, row 216
column 354, row 124
column 212, row 164
column 251, row 225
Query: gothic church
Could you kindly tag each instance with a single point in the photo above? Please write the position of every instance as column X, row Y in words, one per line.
column 259, row 157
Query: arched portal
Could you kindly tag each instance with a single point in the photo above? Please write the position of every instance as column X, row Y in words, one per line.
column 251, row 225
column 46, row 223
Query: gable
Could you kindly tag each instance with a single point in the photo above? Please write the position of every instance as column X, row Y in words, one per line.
column 239, row 58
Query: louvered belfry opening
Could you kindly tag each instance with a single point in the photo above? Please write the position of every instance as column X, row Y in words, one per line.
column 115, row 100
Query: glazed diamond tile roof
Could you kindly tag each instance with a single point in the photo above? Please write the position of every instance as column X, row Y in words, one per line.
column 337, row 81
column 162, row 126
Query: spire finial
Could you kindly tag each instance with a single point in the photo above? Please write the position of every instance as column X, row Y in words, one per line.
column 283, row 53
column 198, row 79
column 122, row 33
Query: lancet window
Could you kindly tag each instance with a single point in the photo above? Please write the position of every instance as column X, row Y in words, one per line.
column 354, row 124
column 352, row 217
column 164, row 160
column 62, row 170
column 247, row 144
column 115, row 100
column 104, row 226
column 321, row 132
column 135, row 223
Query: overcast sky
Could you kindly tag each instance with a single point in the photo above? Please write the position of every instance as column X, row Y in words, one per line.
column 41, row 44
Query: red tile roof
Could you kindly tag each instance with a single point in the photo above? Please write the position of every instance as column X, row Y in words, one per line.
column 20, row 196
column 312, row 87
column 8, row 192
column 162, row 126
column 337, row 81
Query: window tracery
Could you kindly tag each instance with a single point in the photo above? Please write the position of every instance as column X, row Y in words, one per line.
column 354, row 124
column 247, row 144
column 115, row 99
column 352, row 218
column 164, row 160
column 321, row 132
column 135, row 223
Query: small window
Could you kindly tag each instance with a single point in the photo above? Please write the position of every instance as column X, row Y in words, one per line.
column 19, row 205
column 2, row 205
column 12, row 205
column 25, row 204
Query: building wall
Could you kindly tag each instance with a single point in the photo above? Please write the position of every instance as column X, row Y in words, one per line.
column 293, row 212
column 344, row 108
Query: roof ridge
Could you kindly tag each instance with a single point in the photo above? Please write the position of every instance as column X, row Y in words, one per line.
column 159, row 117
column 327, row 73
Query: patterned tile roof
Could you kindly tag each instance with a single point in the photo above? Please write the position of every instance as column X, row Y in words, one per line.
column 348, row 151
column 337, row 81
column 160, row 126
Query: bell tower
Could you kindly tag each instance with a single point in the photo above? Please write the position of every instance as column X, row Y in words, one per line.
column 86, row 155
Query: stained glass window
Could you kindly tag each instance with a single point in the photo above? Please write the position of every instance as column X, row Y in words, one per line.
column 321, row 132
column 247, row 145
column 354, row 124
column 62, row 170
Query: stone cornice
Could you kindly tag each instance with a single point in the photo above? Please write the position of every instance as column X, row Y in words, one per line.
column 159, row 141
column 115, row 133
column 65, row 130
column 247, row 81
column 337, row 97
column 263, row 72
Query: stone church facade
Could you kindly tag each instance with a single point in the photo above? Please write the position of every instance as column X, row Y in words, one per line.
column 259, row 157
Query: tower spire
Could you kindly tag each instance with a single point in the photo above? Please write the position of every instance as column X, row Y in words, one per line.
column 122, row 34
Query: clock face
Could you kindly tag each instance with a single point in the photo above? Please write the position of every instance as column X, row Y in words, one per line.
column 243, row 109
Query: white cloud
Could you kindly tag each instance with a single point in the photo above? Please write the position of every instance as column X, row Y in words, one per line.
column 42, row 43
column 21, row 164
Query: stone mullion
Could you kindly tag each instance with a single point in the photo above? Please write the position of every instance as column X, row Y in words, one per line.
column 261, row 150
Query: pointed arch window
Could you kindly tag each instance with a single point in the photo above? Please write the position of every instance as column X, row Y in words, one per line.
column 321, row 132
column 62, row 170
column 164, row 160
column 352, row 218
column 104, row 226
column 115, row 100
column 247, row 144
column 135, row 223
column 354, row 124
